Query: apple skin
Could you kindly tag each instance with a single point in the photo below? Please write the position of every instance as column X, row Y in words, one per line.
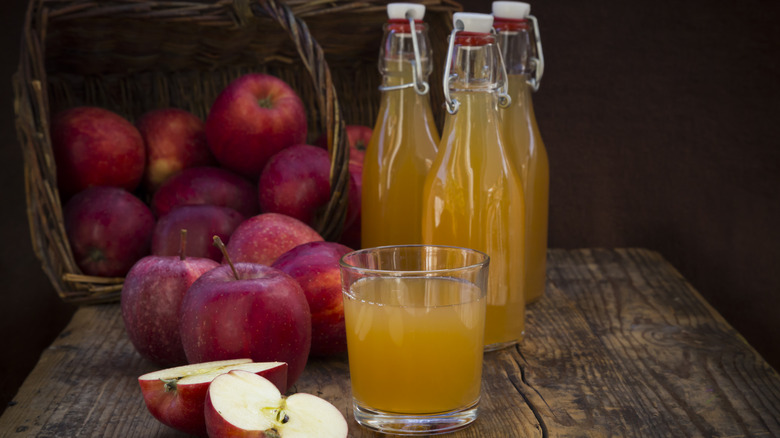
column 253, row 118
column 296, row 182
column 263, row 315
column 350, row 236
column 109, row 230
column 202, row 223
column 358, row 137
column 181, row 405
column 315, row 265
column 93, row 146
column 263, row 238
column 206, row 185
column 150, row 300
column 355, row 196
column 175, row 139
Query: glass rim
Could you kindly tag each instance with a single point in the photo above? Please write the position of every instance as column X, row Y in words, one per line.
column 485, row 260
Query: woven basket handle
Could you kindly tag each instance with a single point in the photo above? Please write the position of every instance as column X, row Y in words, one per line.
column 330, row 221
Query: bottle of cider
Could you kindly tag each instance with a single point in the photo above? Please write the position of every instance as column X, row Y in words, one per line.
column 403, row 144
column 517, row 34
column 473, row 193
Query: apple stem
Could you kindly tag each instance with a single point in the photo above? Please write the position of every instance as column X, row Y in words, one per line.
column 221, row 245
column 183, row 244
column 170, row 384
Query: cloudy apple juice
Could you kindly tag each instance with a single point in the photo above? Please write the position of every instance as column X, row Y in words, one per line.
column 412, row 340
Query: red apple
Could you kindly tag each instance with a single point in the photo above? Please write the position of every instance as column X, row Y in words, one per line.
column 263, row 238
column 96, row 147
column 295, row 182
column 350, row 235
column 358, row 137
column 202, row 223
column 247, row 310
column 355, row 196
column 206, row 185
column 108, row 229
column 254, row 117
column 242, row 404
column 316, row 267
column 175, row 139
column 150, row 301
column 177, row 396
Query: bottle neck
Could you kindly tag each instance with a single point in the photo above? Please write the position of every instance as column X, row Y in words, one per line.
column 518, row 45
column 475, row 65
column 397, row 60
column 475, row 82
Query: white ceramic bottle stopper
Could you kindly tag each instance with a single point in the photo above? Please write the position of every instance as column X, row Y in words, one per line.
column 398, row 11
column 472, row 22
column 511, row 10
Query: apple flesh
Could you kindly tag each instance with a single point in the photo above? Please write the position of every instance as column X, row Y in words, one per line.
column 202, row 223
column 96, row 147
column 241, row 404
column 206, row 185
column 176, row 396
column 263, row 238
column 109, row 230
column 175, row 139
column 315, row 265
column 150, row 300
column 247, row 310
column 296, row 182
column 253, row 118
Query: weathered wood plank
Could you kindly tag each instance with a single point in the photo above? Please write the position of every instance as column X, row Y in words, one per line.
column 620, row 345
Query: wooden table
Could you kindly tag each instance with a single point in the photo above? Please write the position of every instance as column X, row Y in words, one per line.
column 620, row 345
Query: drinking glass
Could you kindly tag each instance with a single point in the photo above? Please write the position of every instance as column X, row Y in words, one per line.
column 415, row 318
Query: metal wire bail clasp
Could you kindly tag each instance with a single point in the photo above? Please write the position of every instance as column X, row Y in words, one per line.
column 504, row 100
column 420, row 85
column 451, row 104
column 538, row 60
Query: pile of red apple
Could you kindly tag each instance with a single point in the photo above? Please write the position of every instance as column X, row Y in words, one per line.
column 147, row 201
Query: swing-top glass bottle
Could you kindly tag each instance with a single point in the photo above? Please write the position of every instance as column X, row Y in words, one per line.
column 518, row 38
column 473, row 194
column 403, row 144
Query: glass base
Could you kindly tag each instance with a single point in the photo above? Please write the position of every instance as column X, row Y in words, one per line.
column 500, row 345
column 414, row 424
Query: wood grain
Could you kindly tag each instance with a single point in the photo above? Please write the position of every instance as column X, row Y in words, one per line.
column 619, row 345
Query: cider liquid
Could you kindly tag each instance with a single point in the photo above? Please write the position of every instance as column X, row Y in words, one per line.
column 527, row 151
column 474, row 199
column 418, row 352
column 399, row 155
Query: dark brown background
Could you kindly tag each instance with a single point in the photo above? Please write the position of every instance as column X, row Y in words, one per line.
column 661, row 120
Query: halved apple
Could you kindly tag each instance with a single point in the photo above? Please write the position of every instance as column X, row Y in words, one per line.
column 242, row 404
column 176, row 396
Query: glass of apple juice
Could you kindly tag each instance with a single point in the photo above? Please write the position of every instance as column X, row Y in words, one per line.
column 415, row 321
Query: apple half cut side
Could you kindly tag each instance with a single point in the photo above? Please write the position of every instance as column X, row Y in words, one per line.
column 176, row 396
column 242, row 404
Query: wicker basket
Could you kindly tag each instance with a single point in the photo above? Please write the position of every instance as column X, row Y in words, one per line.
column 131, row 56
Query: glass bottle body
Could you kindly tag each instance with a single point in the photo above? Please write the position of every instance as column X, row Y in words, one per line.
column 526, row 149
column 474, row 196
column 401, row 150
